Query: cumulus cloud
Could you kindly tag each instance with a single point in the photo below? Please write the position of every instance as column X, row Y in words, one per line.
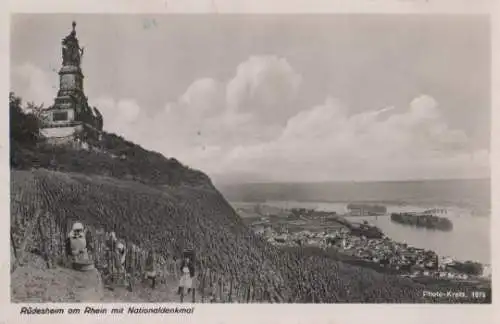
column 203, row 98
column 35, row 84
column 324, row 143
column 119, row 116
column 251, row 124
column 265, row 86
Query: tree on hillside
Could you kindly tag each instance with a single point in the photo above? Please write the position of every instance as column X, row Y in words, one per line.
column 24, row 130
column 24, row 127
column 33, row 109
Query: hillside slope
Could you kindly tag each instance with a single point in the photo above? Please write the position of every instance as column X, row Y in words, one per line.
column 168, row 218
column 171, row 218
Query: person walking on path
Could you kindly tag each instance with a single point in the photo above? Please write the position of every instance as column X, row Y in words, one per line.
column 121, row 254
column 116, row 254
column 111, row 243
column 151, row 268
column 116, row 260
column 174, row 266
column 187, row 274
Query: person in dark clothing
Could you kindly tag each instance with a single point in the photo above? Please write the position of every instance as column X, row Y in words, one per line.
column 151, row 268
column 173, row 266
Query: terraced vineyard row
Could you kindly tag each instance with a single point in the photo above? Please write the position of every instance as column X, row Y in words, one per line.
column 23, row 189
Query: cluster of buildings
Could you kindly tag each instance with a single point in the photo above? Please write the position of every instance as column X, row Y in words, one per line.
column 360, row 243
column 383, row 252
column 360, row 209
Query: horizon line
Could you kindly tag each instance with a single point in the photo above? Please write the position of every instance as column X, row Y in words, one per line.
column 346, row 181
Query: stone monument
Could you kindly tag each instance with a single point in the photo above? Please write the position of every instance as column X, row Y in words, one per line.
column 70, row 116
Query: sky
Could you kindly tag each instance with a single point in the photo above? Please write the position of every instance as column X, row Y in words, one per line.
column 280, row 98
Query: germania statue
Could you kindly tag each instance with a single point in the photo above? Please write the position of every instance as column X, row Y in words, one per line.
column 71, row 51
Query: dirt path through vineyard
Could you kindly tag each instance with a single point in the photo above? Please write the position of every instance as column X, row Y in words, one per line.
column 143, row 293
column 33, row 282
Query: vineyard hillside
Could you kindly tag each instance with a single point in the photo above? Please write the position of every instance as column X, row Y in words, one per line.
column 172, row 218
column 167, row 218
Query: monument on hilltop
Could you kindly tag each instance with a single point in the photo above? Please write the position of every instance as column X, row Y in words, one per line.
column 71, row 117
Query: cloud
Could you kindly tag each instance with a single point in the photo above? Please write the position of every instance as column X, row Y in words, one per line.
column 34, row 83
column 203, row 98
column 120, row 116
column 325, row 143
column 252, row 124
column 266, row 86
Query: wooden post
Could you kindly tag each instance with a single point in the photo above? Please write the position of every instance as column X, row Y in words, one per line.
column 230, row 299
column 13, row 243
column 220, row 289
column 44, row 245
column 62, row 248
column 102, row 257
column 241, row 289
column 249, row 293
column 202, row 285
column 52, row 250
column 94, row 246
column 236, row 288
column 136, row 260
column 143, row 261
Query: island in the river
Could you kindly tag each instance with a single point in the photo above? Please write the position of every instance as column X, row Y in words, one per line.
column 423, row 220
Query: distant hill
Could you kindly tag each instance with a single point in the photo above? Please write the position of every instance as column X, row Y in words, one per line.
column 470, row 193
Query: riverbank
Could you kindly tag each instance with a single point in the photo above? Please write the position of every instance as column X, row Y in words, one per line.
column 468, row 226
column 356, row 241
column 382, row 255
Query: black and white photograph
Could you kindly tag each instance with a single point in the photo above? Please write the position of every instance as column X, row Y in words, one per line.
column 250, row 158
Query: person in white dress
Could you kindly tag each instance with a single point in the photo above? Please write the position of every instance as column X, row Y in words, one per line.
column 121, row 254
column 187, row 274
